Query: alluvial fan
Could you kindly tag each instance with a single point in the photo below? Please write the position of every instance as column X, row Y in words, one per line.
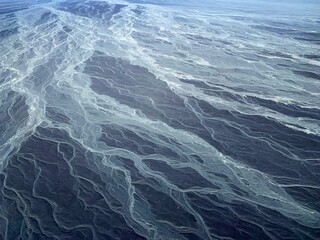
column 159, row 120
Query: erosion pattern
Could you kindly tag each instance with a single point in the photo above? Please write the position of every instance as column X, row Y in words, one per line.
column 154, row 120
